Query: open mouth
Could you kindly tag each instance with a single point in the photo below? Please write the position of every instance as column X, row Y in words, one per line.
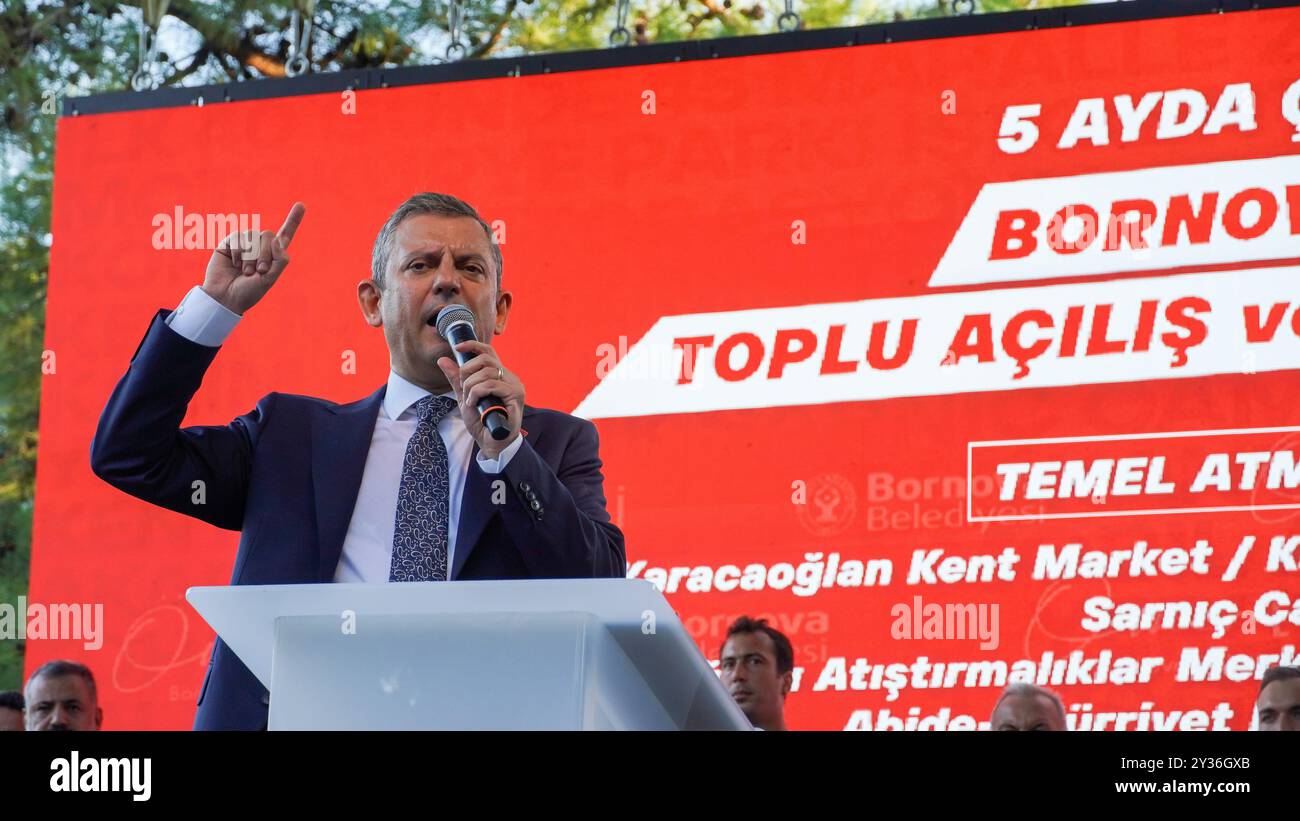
column 432, row 317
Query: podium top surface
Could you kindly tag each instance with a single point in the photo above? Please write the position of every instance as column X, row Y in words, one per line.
column 633, row 610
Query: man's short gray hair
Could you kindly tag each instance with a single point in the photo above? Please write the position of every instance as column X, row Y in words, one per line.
column 1021, row 688
column 444, row 205
column 63, row 667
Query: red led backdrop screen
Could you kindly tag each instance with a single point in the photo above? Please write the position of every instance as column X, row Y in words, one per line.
column 963, row 361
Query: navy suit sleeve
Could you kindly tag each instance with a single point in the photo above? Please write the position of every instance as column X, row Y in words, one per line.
column 140, row 448
column 559, row 517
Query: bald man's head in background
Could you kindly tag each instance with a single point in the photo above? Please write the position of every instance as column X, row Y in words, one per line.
column 1024, row 707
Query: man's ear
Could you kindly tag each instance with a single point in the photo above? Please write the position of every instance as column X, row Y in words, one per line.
column 504, row 300
column 787, row 681
column 368, row 296
column 99, row 717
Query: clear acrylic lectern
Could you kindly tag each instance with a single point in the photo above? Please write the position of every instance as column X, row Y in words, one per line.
column 537, row 654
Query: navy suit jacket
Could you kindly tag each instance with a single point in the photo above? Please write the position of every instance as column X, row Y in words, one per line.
column 287, row 474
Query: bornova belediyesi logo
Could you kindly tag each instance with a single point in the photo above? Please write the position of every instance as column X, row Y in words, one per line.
column 998, row 334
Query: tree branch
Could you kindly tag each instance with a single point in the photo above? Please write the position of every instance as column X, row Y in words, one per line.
column 200, row 57
column 491, row 41
column 219, row 39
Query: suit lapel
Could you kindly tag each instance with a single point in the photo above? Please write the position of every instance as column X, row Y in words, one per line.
column 340, row 443
column 476, row 510
column 476, row 507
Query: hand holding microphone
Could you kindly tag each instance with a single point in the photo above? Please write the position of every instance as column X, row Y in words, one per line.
column 491, row 398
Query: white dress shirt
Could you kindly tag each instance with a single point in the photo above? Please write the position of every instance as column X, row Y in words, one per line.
column 368, row 546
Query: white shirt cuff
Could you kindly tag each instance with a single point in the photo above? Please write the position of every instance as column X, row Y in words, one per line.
column 499, row 464
column 200, row 318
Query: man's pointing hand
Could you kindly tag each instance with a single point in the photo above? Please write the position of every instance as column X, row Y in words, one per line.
column 246, row 264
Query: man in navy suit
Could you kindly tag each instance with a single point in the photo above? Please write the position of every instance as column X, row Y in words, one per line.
column 404, row 485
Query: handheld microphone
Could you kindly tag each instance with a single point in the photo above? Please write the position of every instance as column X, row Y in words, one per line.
column 456, row 325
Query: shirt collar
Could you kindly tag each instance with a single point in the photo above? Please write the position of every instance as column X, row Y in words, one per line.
column 402, row 394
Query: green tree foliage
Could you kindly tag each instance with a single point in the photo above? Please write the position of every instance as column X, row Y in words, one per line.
column 50, row 50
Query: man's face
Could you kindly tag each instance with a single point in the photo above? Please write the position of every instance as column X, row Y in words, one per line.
column 10, row 719
column 61, row 703
column 748, row 671
column 1027, row 712
column 435, row 261
column 1279, row 705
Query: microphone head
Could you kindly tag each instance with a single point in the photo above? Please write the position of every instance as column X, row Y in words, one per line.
column 453, row 315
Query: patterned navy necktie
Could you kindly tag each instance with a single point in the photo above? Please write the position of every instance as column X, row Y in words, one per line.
column 420, row 530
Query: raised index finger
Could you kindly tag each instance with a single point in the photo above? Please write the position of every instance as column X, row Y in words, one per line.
column 292, row 222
